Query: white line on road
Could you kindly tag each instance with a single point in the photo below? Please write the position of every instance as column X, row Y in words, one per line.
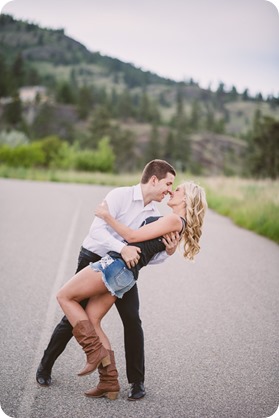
column 29, row 393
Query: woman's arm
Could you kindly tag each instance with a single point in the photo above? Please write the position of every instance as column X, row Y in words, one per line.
column 164, row 225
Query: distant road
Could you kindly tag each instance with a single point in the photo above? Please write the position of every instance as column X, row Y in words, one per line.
column 211, row 327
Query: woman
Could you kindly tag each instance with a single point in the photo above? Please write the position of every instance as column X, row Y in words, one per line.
column 110, row 277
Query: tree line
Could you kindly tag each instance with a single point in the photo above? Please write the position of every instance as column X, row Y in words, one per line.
column 103, row 112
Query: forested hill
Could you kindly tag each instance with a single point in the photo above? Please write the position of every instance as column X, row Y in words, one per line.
column 37, row 44
column 51, row 84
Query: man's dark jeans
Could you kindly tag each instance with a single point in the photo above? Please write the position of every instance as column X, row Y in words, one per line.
column 128, row 308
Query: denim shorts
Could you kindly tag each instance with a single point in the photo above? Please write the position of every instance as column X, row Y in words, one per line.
column 116, row 276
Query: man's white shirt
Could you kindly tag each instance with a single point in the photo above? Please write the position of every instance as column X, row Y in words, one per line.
column 127, row 206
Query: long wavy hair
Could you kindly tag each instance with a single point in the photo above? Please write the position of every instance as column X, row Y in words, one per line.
column 196, row 205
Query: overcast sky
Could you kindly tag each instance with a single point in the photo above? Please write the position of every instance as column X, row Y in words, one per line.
column 233, row 41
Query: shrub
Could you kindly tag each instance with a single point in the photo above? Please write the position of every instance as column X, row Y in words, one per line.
column 52, row 147
column 22, row 156
column 100, row 160
column 51, row 152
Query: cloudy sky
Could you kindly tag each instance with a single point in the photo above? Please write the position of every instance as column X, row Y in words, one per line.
column 233, row 41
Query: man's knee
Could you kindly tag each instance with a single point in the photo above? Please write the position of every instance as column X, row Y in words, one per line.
column 131, row 318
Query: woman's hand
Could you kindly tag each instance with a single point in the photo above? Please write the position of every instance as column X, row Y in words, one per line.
column 171, row 242
column 102, row 210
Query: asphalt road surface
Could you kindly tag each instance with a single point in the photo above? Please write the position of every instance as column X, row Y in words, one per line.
column 211, row 327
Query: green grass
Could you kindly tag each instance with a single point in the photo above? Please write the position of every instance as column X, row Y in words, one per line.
column 251, row 204
column 69, row 176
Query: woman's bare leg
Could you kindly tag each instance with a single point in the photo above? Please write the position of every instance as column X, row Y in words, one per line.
column 96, row 309
column 83, row 285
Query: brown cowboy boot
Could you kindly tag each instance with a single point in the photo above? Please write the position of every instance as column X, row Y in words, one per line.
column 96, row 353
column 108, row 385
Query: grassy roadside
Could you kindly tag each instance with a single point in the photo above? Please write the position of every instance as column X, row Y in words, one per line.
column 251, row 204
column 69, row 176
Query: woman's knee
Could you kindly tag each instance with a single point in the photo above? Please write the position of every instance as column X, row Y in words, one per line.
column 61, row 297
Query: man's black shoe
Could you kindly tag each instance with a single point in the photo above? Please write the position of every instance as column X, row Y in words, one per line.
column 43, row 376
column 137, row 391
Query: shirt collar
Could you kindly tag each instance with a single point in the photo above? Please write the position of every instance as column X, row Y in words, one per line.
column 137, row 195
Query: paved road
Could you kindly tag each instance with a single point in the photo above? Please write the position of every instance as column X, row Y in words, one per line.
column 211, row 328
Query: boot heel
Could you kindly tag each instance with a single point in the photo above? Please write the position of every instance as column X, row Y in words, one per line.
column 106, row 361
column 112, row 395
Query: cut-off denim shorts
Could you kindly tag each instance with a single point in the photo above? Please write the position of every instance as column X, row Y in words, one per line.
column 117, row 278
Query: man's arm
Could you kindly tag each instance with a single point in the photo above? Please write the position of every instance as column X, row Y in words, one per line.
column 100, row 231
column 117, row 200
column 130, row 255
column 103, row 238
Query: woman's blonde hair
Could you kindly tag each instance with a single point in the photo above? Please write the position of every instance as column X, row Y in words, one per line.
column 196, row 206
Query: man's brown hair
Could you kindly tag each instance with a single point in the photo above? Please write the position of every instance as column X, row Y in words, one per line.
column 158, row 168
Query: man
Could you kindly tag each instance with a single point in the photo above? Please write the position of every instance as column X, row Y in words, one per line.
column 131, row 206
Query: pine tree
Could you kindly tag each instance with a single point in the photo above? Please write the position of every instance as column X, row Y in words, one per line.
column 153, row 149
column 13, row 112
column 144, row 108
column 4, row 87
column 245, row 95
column 123, row 143
column 182, row 149
column 65, row 93
column 263, row 150
column 220, row 96
column 18, row 71
column 84, row 102
column 125, row 105
column 233, row 95
column 210, row 120
column 100, row 126
column 195, row 117
column 169, row 152
column 42, row 125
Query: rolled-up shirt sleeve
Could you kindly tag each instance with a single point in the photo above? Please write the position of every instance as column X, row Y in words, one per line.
column 104, row 235
column 159, row 258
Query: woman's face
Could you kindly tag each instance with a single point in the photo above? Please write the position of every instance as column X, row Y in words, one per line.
column 177, row 197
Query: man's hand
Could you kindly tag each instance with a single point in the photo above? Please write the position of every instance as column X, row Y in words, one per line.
column 130, row 255
column 171, row 242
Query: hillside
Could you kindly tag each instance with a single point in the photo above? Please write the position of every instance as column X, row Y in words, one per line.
column 42, row 45
column 144, row 115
